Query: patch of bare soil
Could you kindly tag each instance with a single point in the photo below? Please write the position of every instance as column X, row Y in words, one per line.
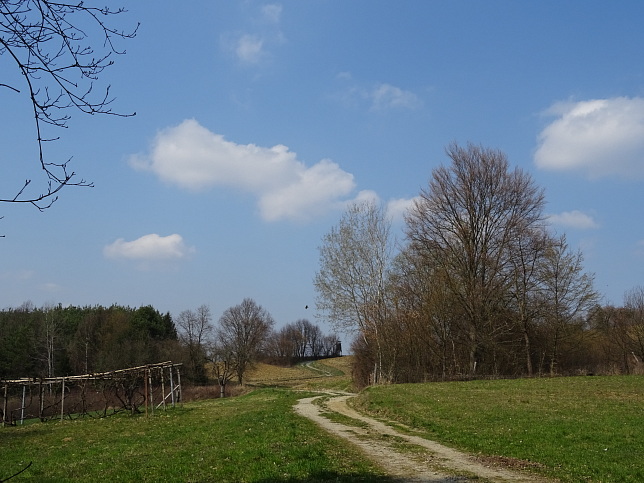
column 410, row 458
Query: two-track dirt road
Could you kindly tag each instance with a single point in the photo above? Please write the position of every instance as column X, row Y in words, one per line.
column 421, row 460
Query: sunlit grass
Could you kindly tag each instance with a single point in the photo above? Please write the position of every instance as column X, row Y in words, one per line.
column 253, row 438
column 577, row 429
column 333, row 373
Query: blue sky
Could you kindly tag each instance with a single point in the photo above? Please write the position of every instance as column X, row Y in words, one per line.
column 257, row 122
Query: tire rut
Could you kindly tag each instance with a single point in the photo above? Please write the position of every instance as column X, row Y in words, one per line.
column 435, row 462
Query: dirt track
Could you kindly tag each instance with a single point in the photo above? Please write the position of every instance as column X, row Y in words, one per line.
column 429, row 462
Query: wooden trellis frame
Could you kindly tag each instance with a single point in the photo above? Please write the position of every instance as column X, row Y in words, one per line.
column 162, row 373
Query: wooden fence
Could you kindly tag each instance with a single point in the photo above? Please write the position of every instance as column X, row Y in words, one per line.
column 136, row 389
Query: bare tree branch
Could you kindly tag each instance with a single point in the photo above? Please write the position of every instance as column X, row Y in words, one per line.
column 59, row 50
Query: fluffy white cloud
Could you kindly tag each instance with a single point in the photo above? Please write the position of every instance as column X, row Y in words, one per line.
column 397, row 208
column 310, row 194
column 194, row 158
column 573, row 219
column 600, row 137
column 149, row 247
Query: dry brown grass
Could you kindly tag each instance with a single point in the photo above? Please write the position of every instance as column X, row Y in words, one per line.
column 300, row 376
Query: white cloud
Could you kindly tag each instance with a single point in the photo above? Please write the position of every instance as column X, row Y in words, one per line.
column 272, row 13
column 386, row 96
column 380, row 97
column 249, row 48
column 149, row 247
column 254, row 47
column 194, row 158
column 573, row 219
column 51, row 287
column 397, row 208
column 600, row 137
column 639, row 248
column 309, row 195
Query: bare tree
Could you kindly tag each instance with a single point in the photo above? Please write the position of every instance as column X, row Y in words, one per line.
column 567, row 294
column 634, row 303
column 242, row 331
column 528, row 254
column 51, row 333
column 195, row 332
column 466, row 222
column 354, row 259
column 223, row 363
column 58, row 50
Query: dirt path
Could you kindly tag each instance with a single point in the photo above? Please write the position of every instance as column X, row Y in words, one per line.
column 428, row 462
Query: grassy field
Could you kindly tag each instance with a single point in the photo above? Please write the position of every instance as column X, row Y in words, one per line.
column 326, row 374
column 575, row 429
column 252, row 438
column 585, row 429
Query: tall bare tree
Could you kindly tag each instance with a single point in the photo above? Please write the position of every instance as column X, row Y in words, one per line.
column 634, row 303
column 467, row 222
column 355, row 257
column 58, row 50
column 242, row 331
column 525, row 293
column 195, row 331
column 567, row 294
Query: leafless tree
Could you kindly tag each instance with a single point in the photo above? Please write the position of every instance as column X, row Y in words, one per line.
column 223, row 363
column 354, row 259
column 528, row 254
column 466, row 222
column 634, row 303
column 58, row 50
column 567, row 294
column 242, row 331
column 195, row 332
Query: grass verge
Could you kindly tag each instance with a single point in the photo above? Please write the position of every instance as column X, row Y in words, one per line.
column 253, row 438
column 574, row 429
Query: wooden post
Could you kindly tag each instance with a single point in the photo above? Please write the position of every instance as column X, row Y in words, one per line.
column 41, row 398
column 171, row 386
column 179, row 384
column 62, row 401
column 145, row 383
column 5, row 404
column 151, row 397
column 22, row 408
column 162, row 387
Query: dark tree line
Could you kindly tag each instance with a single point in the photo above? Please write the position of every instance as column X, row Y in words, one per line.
column 480, row 287
column 301, row 340
column 53, row 341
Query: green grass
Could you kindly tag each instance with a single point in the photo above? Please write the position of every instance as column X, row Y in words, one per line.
column 336, row 379
column 588, row 429
column 253, row 438
column 578, row 429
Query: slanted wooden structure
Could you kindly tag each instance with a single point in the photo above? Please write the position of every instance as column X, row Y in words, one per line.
column 150, row 387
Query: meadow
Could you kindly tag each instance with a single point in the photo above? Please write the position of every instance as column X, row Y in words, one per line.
column 252, row 438
column 588, row 429
column 569, row 428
